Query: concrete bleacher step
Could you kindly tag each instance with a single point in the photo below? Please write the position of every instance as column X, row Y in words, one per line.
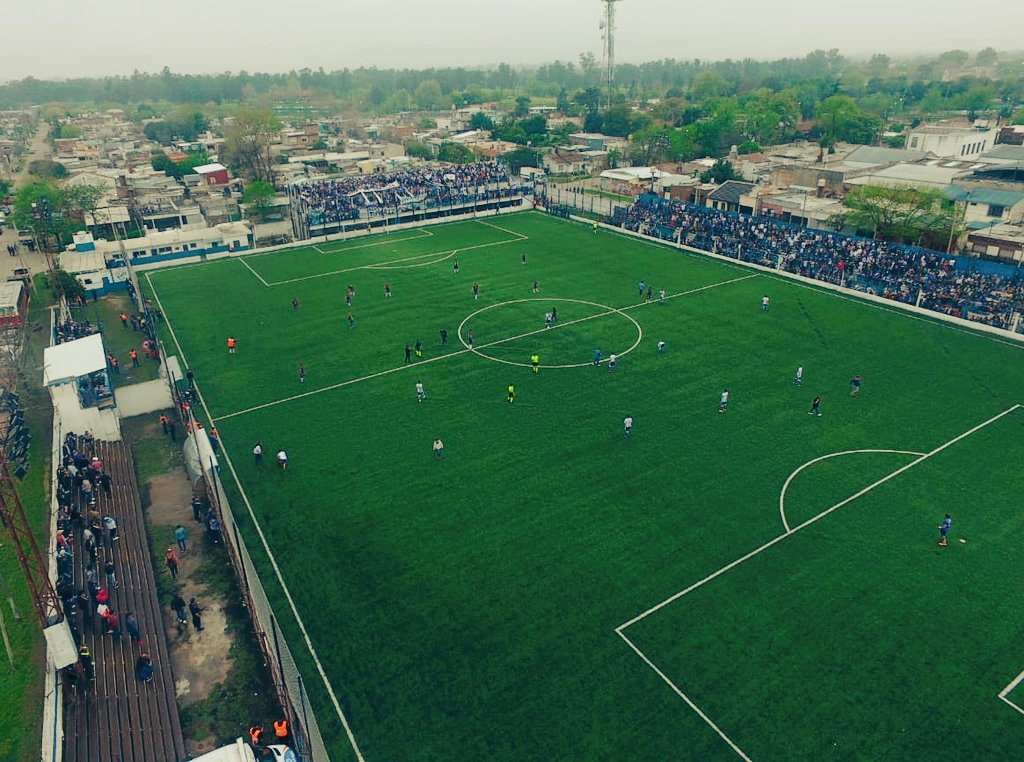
column 118, row 718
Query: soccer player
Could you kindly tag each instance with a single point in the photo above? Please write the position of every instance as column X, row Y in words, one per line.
column 661, row 296
column 597, row 356
column 408, row 353
column 815, row 407
column 231, row 345
column 640, row 286
column 536, row 287
column 476, row 290
column 420, row 394
column 387, row 290
column 764, row 303
column 650, row 294
column 444, row 336
column 455, row 266
column 723, row 403
column 595, row 227
column 524, row 259
column 547, row 319
column 855, row 385
column 469, row 339
column 944, row 530
column 661, row 346
column 511, row 394
column 554, row 314
column 438, row 449
column 282, row 459
column 535, row 362
column 295, row 304
column 351, row 321
column 798, row 379
column 418, row 346
column 612, row 359
column 627, row 426
column 302, row 373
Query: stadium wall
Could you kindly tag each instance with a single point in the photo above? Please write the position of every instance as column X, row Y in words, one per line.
column 1016, row 338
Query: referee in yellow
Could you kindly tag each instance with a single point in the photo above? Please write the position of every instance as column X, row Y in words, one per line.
column 511, row 394
column 535, row 361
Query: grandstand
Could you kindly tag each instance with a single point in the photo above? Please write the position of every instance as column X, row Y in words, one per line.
column 982, row 291
column 333, row 205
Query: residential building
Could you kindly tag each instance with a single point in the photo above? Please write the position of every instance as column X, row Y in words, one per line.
column 556, row 163
column 951, row 140
column 734, row 196
column 1003, row 241
column 212, row 174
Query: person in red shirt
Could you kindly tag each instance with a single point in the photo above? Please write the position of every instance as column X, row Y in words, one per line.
column 231, row 345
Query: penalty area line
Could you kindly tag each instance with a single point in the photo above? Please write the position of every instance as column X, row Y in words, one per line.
column 620, row 630
column 1005, row 692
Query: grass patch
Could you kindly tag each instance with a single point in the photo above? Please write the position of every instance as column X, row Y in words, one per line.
column 471, row 603
column 117, row 339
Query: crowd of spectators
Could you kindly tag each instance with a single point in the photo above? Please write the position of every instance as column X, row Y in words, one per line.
column 341, row 199
column 930, row 279
column 71, row 329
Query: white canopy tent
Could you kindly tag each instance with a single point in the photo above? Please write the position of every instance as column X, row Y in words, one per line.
column 73, row 359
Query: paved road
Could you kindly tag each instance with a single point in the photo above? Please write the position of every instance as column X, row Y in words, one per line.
column 35, row 262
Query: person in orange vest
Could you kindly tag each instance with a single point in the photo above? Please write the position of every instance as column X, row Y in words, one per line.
column 164, row 421
column 281, row 731
column 124, row 319
column 231, row 345
column 116, row 366
column 255, row 731
column 135, row 357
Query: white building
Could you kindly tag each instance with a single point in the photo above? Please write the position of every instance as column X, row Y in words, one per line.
column 950, row 141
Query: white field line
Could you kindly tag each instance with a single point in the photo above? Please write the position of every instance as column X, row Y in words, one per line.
column 1009, row 689
column 247, row 267
column 684, row 697
column 422, row 233
column 520, row 236
column 813, row 519
column 267, row 550
column 456, row 353
column 782, row 495
column 373, row 265
column 622, row 627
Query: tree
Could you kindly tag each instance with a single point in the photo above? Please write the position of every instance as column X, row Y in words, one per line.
column 428, row 94
column 987, row 57
column 418, row 151
column 521, row 157
column 901, row 214
column 709, row 84
column 247, row 143
column 81, row 201
column 522, row 108
column 480, row 121
column 618, row 121
column 47, row 170
column 39, row 208
column 258, row 198
column 840, row 118
column 721, row 172
column 455, row 153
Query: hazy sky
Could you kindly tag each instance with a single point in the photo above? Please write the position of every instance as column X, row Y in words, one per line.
column 64, row 38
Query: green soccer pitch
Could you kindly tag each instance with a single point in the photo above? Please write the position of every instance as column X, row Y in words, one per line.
column 762, row 583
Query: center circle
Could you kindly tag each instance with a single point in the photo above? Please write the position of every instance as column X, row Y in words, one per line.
column 484, row 345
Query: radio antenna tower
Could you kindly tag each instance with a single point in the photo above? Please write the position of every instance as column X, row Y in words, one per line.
column 608, row 64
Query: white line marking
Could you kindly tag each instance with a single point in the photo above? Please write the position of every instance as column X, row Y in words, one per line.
column 813, row 519
column 521, row 236
column 247, row 267
column 684, row 697
column 607, row 311
column 622, row 627
column 456, row 353
column 1009, row 689
column 266, row 548
column 446, row 253
column 422, row 233
column 782, row 495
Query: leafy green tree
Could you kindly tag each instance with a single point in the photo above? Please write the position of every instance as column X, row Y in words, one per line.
column 709, row 84
column 721, row 172
column 247, row 143
column 426, row 123
column 521, row 157
column 901, row 214
column 47, row 170
column 418, row 151
column 455, row 153
column 480, row 121
column 428, row 94
column 258, row 198
column 840, row 118
column 987, row 57
column 39, row 208
column 618, row 121
column 522, row 108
